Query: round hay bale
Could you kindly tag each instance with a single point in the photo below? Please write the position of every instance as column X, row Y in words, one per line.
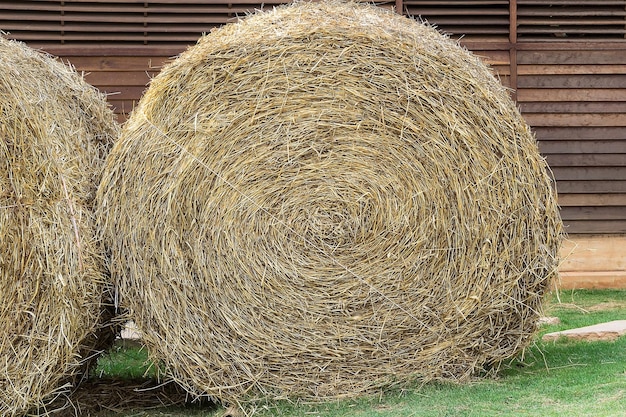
column 326, row 199
column 55, row 131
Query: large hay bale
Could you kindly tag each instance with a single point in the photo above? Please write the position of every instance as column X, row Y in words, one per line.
column 55, row 131
column 325, row 199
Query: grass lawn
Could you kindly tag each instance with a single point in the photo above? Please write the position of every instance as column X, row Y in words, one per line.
column 560, row 378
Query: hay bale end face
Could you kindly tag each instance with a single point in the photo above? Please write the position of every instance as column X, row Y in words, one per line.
column 326, row 199
column 55, row 131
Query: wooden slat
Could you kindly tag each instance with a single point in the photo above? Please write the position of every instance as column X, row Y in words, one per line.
column 91, row 30
column 574, row 107
column 121, row 106
column 457, row 3
column 25, row 10
column 549, row 25
column 496, row 58
column 583, row 146
column 592, row 187
column 593, row 213
column 116, row 63
column 571, row 2
column 590, row 199
column 572, row 81
column 123, row 92
column 463, row 10
column 589, row 173
column 598, row 253
column 589, row 119
column 570, row 69
column 119, row 78
column 571, row 94
column 580, row 133
column 572, row 57
column 595, row 226
column 567, row 13
column 586, row 160
column 591, row 280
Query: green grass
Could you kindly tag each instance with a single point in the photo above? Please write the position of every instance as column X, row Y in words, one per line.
column 125, row 360
column 560, row 378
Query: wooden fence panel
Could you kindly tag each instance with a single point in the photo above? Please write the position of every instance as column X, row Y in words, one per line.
column 565, row 62
column 574, row 96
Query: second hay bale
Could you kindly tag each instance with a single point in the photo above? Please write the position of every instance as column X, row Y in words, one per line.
column 326, row 199
column 55, row 131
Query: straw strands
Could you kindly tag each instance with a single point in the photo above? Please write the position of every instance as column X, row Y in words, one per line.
column 55, row 131
column 326, row 199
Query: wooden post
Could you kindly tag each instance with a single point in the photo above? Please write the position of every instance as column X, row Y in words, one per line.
column 399, row 7
column 513, row 46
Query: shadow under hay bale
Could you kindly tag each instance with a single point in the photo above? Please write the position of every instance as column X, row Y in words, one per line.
column 118, row 395
column 327, row 199
column 55, row 131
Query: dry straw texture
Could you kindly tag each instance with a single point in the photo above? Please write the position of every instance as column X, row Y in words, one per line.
column 326, row 199
column 54, row 133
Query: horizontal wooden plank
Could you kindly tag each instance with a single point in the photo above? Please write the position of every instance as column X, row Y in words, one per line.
column 571, row 57
column 595, row 226
column 122, row 106
column 111, row 63
column 555, row 3
column 566, row 23
column 572, row 81
column 91, row 30
column 586, row 160
column 119, row 78
column 593, row 187
column 560, row 69
column 592, row 199
column 112, row 39
column 589, row 173
column 108, row 49
column 457, row 11
column 594, row 213
column 583, row 146
column 122, row 3
column 592, row 280
column 123, row 92
column 580, row 133
column 456, row 3
column 482, row 27
column 29, row 10
column 589, row 119
column 574, row 107
column 493, row 57
column 596, row 35
column 571, row 94
column 598, row 253
column 602, row 10
column 501, row 70
column 569, row 45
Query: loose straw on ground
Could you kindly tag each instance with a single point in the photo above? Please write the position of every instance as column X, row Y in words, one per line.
column 325, row 200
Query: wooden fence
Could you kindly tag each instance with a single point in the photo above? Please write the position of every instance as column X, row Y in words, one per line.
column 565, row 62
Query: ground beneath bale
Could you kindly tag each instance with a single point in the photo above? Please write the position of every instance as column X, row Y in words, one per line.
column 98, row 396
